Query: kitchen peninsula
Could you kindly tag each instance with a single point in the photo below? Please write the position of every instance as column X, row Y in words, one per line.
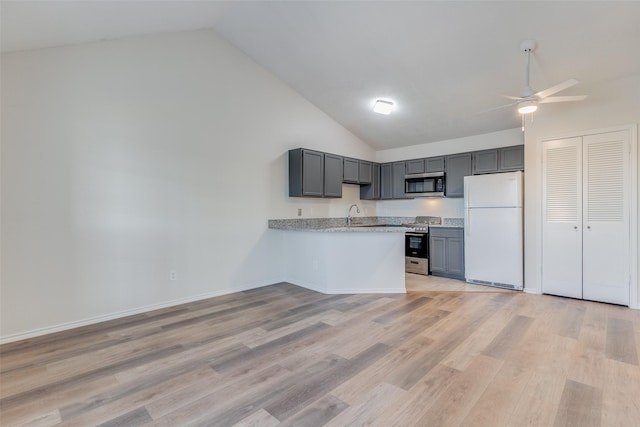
column 325, row 255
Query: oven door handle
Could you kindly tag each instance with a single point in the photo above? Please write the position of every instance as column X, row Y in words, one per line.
column 415, row 234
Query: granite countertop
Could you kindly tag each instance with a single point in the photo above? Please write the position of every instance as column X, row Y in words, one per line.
column 359, row 229
column 376, row 224
column 450, row 223
column 339, row 225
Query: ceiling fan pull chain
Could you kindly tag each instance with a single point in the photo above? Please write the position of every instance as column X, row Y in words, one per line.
column 526, row 74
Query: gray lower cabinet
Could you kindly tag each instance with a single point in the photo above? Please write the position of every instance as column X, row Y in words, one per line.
column 457, row 167
column 386, row 181
column 332, row 175
column 372, row 191
column 306, row 173
column 446, row 252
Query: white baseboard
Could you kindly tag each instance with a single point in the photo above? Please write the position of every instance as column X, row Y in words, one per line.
column 307, row 286
column 103, row 318
column 539, row 292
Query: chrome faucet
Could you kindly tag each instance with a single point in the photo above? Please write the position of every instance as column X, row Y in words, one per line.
column 349, row 214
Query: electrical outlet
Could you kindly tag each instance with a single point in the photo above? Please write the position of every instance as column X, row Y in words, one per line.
column 173, row 275
column 299, row 211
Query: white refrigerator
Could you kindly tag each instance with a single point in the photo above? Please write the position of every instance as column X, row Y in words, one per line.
column 493, row 230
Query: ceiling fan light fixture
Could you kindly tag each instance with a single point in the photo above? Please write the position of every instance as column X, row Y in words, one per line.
column 527, row 107
column 383, row 107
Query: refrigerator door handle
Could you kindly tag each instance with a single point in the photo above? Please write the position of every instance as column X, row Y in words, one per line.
column 468, row 226
column 467, row 194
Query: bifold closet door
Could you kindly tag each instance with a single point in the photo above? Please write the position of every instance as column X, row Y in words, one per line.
column 562, row 217
column 606, row 217
column 586, row 217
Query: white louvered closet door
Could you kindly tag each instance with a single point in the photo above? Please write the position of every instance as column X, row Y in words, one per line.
column 586, row 217
column 562, row 217
column 606, row 217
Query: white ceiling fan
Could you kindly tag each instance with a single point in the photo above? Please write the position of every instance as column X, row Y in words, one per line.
column 528, row 101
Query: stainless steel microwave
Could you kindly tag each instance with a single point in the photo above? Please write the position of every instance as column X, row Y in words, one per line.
column 424, row 184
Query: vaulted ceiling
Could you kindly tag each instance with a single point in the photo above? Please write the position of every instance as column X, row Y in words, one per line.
column 444, row 63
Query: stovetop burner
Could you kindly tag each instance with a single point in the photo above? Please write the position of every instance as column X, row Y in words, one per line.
column 422, row 223
column 419, row 227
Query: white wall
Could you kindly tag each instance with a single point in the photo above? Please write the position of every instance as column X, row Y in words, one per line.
column 503, row 138
column 446, row 208
column 124, row 159
column 611, row 104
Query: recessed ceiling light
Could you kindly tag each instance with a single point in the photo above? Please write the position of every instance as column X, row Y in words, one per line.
column 383, row 107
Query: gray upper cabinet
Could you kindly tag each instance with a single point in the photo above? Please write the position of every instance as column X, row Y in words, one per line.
column 434, row 164
column 398, row 180
column 414, row 166
column 372, row 191
column 485, row 161
column 332, row 175
column 446, row 252
column 365, row 172
column 505, row 159
column 512, row 158
column 428, row 165
column 392, row 181
column 351, row 170
column 386, row 181
column 317, row 174
column 457, row 167
column 306, row 173
column 357, row 171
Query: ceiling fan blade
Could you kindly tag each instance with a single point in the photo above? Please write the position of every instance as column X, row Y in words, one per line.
column 515, row 98
column 496, row 108
column 557, row 88
column 563, row 99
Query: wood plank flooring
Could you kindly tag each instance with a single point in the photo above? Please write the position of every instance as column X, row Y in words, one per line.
column 287, row 356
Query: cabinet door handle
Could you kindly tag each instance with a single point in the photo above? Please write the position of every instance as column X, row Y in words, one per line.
column 588, row 227
column 575, row 227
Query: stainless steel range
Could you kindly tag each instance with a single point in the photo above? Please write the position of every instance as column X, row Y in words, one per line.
column 417, row 244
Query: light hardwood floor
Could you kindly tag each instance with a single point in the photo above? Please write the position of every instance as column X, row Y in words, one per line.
column 418, row 282
column 284, row 355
